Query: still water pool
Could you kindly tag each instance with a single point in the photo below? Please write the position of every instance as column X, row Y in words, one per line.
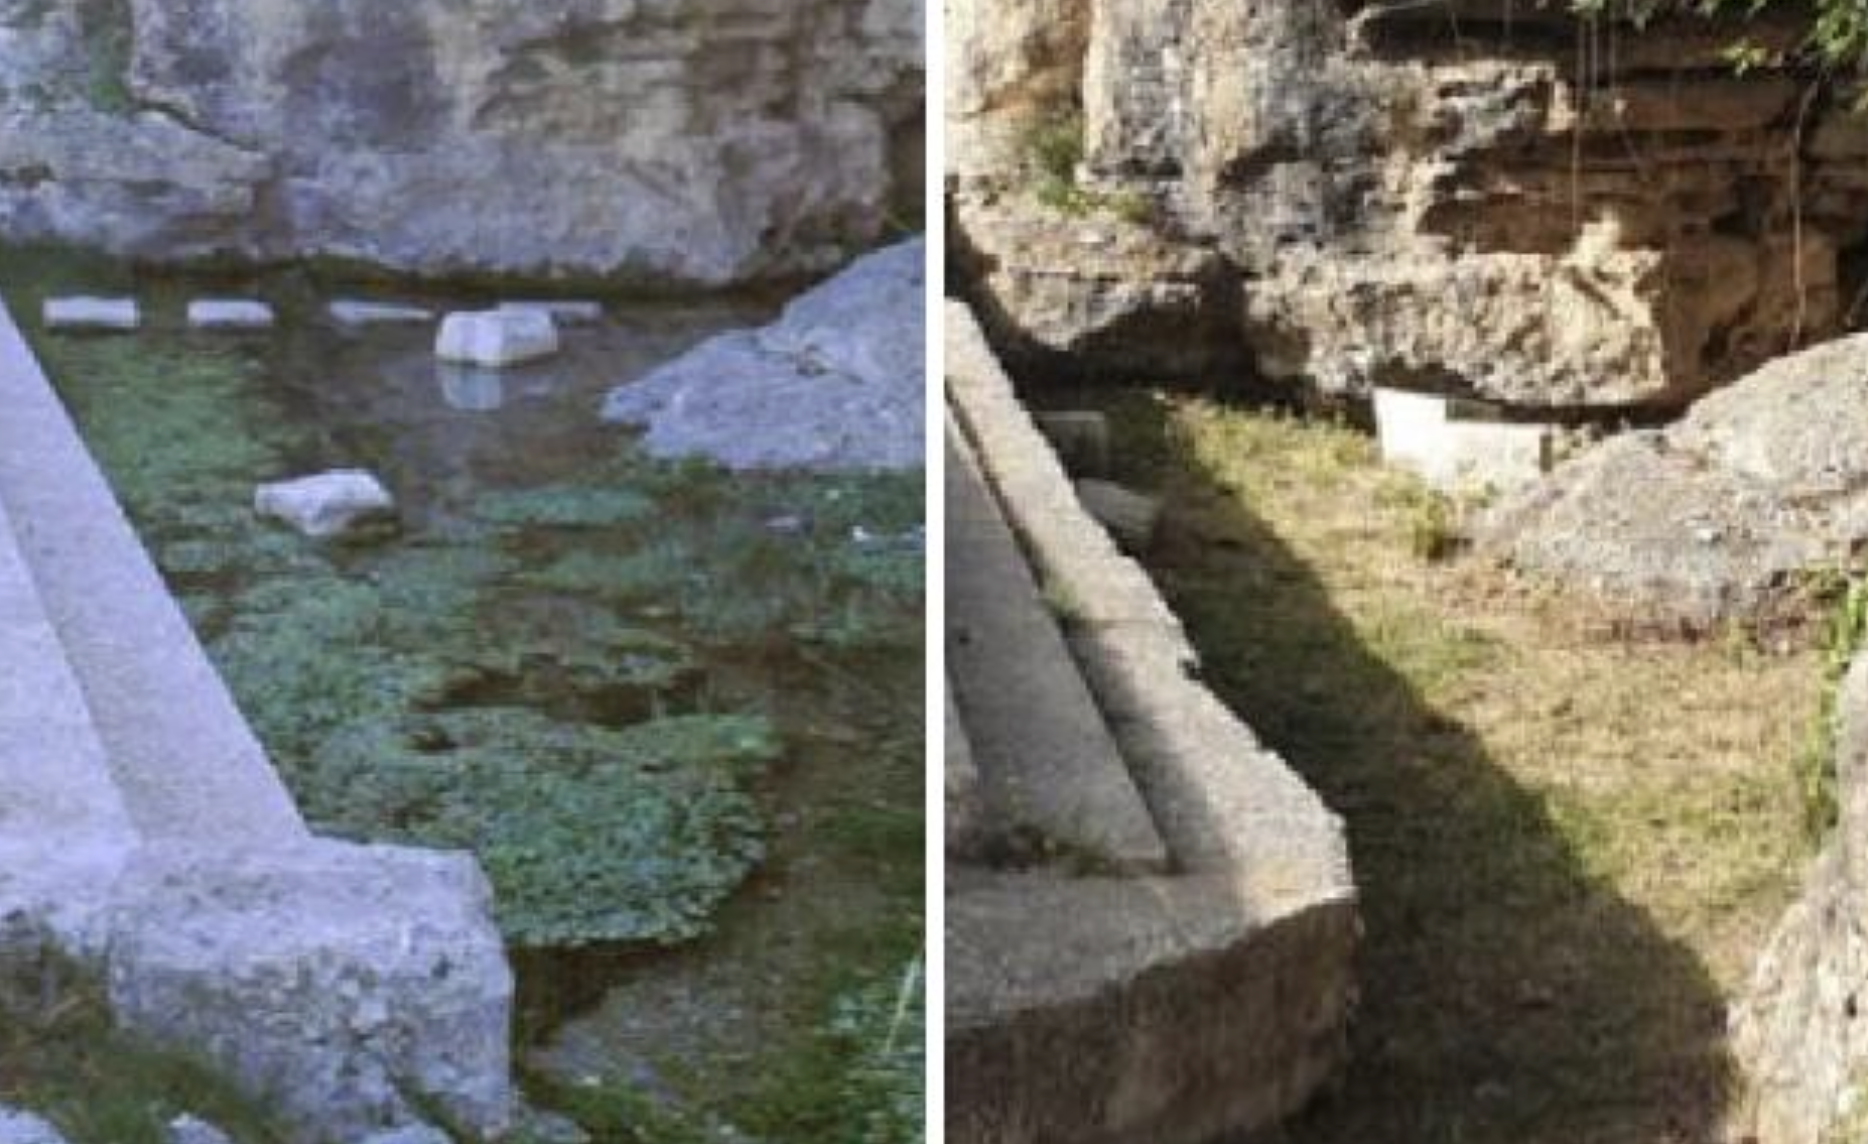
column 676, row 712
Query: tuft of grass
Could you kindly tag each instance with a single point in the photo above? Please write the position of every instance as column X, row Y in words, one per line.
column 1844, row 634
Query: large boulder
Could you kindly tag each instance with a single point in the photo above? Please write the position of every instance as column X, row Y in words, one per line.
column 836, row 383
column 1718, row 517
column 700, row 142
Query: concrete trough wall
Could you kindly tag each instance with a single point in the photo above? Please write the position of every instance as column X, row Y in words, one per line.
column 1090, row 1008
column 144, row 832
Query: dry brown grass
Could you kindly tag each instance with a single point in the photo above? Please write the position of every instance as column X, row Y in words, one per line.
column 1570, row 845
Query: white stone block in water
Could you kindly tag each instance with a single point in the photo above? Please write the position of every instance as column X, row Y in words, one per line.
column 351, row 312
column 109, row 314
column 1419, row 432
column 17, row 1127
column 326, row 504
column 565, row 312
column 230, row 314
column 497, row 338
column 1129, row 516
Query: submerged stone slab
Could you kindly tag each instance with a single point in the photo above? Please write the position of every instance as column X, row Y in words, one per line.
column 107, row 315
column 563, row 311
column 496, row 339
column 351, row 986
column 230, row 314
column 326, row 504
column 353, row 312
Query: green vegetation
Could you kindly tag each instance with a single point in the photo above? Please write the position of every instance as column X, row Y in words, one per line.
column 1053, row 152
column 1838, row 36
column 1569, row 845
column 1844, row 635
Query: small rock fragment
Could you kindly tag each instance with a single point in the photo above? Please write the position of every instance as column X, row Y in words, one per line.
column 326, row 504
column 497, row 338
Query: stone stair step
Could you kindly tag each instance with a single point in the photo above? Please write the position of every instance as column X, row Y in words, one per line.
column 1045, row 757
column 184, row 759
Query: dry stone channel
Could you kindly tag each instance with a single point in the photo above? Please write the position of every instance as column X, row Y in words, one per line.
column 144, row 832
column 1151, row 919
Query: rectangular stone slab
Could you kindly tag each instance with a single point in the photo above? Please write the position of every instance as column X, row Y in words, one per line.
column 1045, row 758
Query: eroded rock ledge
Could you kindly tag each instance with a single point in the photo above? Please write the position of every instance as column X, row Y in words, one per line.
column 1480, row 198
column 650, row 140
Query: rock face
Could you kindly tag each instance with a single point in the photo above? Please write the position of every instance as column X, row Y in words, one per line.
column 1801, row 1031
column 836, row 383
column 662, row 140
column 1475, row 198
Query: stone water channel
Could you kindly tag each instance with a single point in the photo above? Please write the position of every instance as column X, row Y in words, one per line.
column 675, row 712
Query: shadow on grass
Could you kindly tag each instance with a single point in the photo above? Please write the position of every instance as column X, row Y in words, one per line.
column 1508, row 995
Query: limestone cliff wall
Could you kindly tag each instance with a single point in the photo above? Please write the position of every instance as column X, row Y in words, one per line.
column 705, row 141
column 1479, row 196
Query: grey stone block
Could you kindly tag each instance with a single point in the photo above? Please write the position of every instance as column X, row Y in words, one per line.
column 496, row 339
column 351, row 986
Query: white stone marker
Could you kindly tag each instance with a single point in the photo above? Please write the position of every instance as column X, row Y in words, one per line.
column 1419, row 432
column 497, row 338
column 82, row 313
column 230, row 314
column 326, row 504
column 351, row 312
column 565, row 312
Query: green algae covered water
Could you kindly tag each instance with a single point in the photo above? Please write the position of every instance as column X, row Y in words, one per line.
column 676, row 712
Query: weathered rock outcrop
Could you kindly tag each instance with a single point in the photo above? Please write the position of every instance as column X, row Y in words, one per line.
column 649, row 139
column 1802, row 1030
column 1718, row 516
column 835, row 384
column 1478, row 197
